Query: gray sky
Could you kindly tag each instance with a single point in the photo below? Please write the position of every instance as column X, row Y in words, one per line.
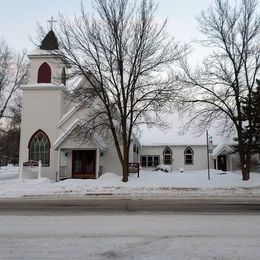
column 19, row 18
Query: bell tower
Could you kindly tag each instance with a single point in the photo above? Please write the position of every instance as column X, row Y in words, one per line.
column 43, row 104
column 47, row 67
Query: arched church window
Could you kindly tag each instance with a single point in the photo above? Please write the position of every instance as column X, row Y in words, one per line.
column 63, row 76
column 44, row 73
column 39, row 148
column 167, row 156
column 188, row 156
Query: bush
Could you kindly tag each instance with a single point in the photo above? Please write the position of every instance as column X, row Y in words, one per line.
column 164, row 168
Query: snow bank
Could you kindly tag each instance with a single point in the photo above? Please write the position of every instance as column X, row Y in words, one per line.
column 150, row 183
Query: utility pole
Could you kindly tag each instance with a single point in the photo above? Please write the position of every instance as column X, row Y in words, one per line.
column 209, row 138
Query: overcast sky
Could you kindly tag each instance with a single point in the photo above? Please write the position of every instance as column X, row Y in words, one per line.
column 19, row 18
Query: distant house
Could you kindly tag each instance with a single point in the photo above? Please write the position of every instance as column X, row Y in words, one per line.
column 188, row 156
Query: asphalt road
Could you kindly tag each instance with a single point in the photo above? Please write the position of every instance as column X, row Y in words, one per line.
column 79, row 206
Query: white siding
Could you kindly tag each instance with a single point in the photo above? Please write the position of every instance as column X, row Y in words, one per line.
column 199, row 157
column 41, row 109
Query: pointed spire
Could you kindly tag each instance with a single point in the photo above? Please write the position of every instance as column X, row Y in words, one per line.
column 50, row 42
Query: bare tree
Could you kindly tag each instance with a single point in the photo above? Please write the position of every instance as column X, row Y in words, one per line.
column 125, row 57
column 215, row 91
column 13, row 73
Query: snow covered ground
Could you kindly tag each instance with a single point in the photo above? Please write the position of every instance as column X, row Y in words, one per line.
column 150, row 183
column 131, row 235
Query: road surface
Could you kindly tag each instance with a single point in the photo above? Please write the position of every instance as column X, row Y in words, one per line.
column 125, row 229
column 25, row 206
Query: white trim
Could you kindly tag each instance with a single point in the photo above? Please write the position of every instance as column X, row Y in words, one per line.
column 58, row 168
column 44, row 86
column 221, row 149
column 38, row 53
column 66, row 116
column 97, row 162
column 99, row 143
column 63, row 136
column 231, row 163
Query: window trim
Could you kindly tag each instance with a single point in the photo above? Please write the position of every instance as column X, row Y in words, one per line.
column 191, row 154
column 30, row 141
column 168, row 154
column 146, row 161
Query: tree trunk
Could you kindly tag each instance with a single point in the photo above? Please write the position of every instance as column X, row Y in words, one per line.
column 125, row 163
column 245, row 160
column 125, row 171
column 245, row 173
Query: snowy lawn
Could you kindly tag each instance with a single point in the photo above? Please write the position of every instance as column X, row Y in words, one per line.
column 150, row 183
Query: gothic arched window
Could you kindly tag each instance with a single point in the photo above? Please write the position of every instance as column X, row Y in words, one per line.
column 167, row 156
column 188, row 156
column 44, row 73
column 39, row 148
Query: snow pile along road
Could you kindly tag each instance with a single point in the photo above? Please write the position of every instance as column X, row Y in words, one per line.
column 150, row 183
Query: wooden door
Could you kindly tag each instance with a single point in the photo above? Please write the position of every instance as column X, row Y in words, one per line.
column 84, row 164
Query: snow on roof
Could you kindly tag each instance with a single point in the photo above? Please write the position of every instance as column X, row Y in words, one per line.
column 40, row 52
column 171, row 136
column 157, row 137
column 63, row 136
column 74, row 82
column 221, row 149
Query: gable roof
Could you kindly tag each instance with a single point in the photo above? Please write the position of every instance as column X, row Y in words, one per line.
column 221, row 149
column 65, row 134
column 100, row 143
column 68, row 115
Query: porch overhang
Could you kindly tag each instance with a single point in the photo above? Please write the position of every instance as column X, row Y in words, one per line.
column 222, row 149
column 62, row 138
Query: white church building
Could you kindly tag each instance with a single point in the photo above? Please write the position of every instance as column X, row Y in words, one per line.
column 49, row 118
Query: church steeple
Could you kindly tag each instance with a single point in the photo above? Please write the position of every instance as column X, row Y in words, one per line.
column 50, row 42
column 48, row 68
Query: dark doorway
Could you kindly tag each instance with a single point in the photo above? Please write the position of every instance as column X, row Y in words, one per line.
column 84, row 164
column 222, row 163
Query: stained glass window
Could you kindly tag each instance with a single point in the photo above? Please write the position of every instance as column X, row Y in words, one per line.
column 39, row 148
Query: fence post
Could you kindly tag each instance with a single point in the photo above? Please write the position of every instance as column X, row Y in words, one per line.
column 39, row 169
column 21, row 171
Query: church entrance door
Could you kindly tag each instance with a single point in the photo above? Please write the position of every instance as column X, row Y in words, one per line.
column 84, row 164
column 222, row 163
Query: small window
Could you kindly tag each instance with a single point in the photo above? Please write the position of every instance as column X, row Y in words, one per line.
column 134, row 148
column 143, row 161
column 149, row 160
column 39, row 148
column 167, row 156
column 188, row 156
column 44, row 73
column 156, row 160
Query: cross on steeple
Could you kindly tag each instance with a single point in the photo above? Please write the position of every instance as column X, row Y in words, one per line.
column 52, row 21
